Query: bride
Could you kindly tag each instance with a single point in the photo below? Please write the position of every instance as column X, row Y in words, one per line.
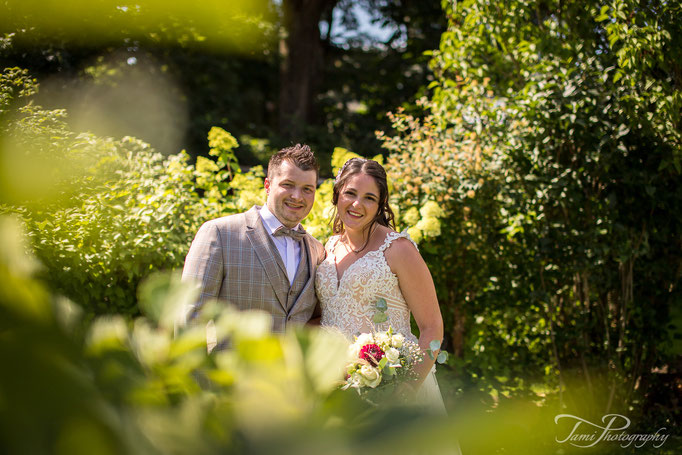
column 367, row 260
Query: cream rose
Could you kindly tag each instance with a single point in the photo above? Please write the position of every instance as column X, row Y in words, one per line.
column 392, row 355
column 360, row 341
column 370, row 376
column 397, row 340
column 364, row 338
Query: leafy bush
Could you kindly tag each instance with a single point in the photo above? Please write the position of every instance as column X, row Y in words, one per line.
column 104, row 213
column 550, row 143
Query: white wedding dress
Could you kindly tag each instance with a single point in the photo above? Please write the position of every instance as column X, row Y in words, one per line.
column 350, row 305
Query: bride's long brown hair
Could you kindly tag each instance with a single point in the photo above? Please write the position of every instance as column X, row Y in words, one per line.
column 384, row 216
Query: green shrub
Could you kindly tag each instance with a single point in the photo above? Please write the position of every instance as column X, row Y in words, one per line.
column 550, row 142
column 102, row 213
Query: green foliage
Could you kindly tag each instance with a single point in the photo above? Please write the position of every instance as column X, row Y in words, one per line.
column 258, row 150
column 98, row 248
column 101, row 213
column 223, row 68
column 364, row 79
column 550, row 144
column 318, row 221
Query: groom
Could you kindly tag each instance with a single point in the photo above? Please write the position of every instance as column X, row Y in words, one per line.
column 263, row 259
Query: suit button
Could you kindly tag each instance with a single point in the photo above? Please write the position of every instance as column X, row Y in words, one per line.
column 291, row 292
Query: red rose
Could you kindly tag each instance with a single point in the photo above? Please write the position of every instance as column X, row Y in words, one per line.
column 371, row 353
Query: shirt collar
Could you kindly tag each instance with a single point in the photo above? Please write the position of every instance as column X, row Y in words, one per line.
column 270, row 220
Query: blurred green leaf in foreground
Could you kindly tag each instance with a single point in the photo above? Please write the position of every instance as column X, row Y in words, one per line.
column 236, row 25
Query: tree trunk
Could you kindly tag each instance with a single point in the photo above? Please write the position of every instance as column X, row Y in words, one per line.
column 302, row 54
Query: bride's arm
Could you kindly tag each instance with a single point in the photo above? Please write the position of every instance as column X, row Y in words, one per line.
column 419, row 291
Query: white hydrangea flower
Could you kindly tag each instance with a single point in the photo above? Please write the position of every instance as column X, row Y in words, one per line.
column 429, row 226
column 431, row 210
column 415, row 234
column 411, row 216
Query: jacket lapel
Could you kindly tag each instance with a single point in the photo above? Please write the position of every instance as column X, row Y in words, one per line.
column 312, row 268
column 267, row 254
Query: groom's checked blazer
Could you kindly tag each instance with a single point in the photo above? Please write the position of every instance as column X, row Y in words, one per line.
column 234, row 260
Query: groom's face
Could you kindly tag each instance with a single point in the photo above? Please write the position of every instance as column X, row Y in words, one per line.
column 291, row 193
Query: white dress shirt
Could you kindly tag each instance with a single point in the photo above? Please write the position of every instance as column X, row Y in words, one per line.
column 289, row 250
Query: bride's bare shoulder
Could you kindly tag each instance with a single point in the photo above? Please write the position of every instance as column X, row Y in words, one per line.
column 402, row 256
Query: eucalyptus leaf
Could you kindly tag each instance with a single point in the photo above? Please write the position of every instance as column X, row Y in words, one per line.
column 381, row 305
column 442, row 357
column 379, row 318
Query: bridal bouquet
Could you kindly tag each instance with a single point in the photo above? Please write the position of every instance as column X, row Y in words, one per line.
column 380, row 359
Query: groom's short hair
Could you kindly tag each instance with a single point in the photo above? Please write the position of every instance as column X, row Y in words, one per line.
column 299, row 155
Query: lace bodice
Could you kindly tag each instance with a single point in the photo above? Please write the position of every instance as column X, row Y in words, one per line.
column 350, row 305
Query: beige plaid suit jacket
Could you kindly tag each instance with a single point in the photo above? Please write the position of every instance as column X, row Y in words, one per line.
column 234, row 260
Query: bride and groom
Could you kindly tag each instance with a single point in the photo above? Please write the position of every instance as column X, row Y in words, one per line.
column 263, row 259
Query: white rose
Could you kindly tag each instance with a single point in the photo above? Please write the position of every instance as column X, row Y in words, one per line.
column 370, row 376
column 364, row 338
column 397, row 340
column 392, row 355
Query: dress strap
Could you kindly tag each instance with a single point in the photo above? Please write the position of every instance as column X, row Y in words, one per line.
column 391, row 236
column 331, row 243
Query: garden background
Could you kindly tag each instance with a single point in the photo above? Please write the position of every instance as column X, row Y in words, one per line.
column 534, row 152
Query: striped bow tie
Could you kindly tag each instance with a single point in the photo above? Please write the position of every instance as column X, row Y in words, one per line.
column 293, row 233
